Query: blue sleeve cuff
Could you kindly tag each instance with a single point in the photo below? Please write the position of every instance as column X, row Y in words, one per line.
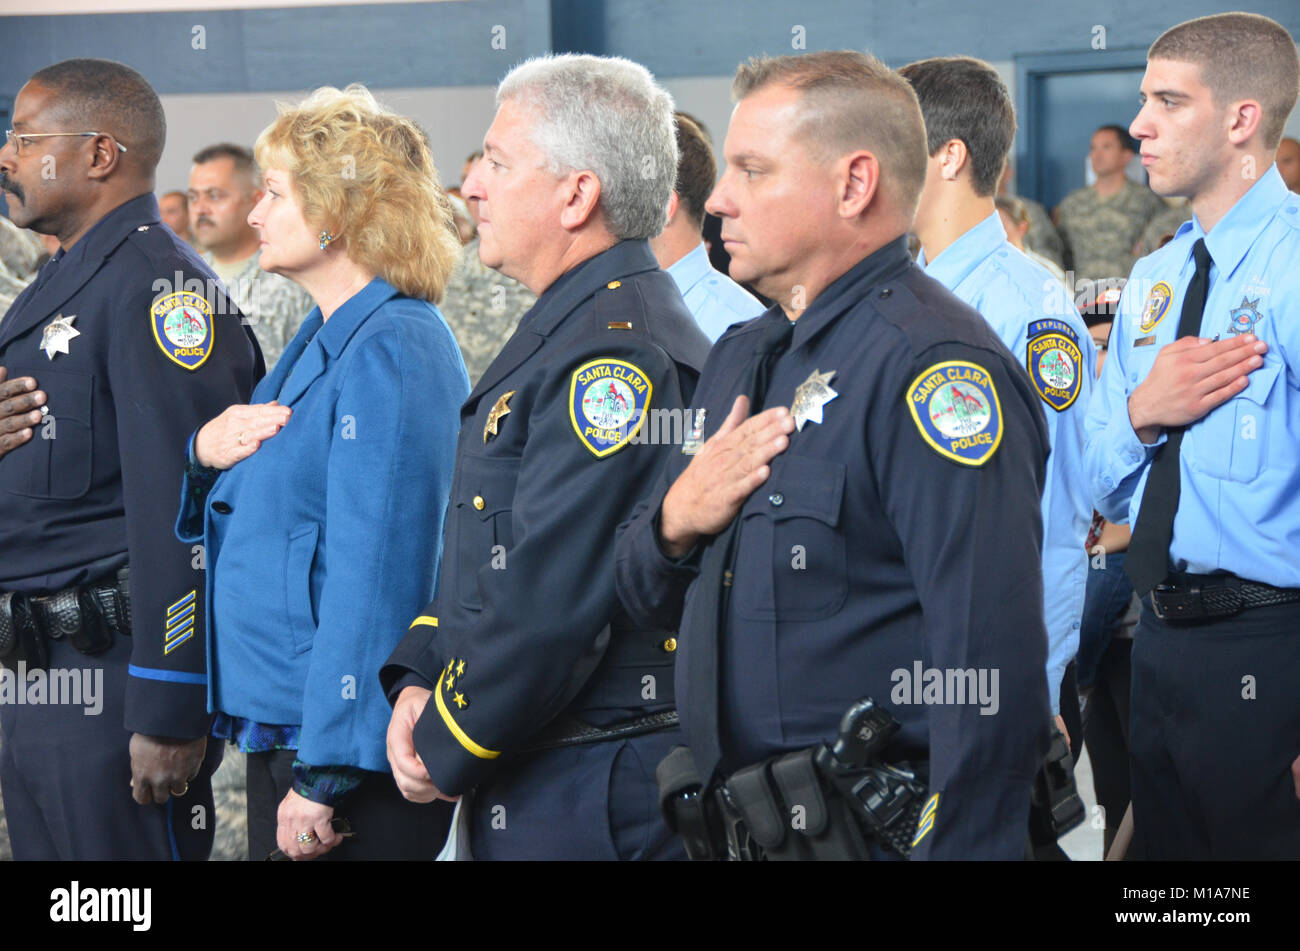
column 326, row 785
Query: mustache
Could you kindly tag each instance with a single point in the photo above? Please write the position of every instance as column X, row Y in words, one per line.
column 9, row 185
column 202, row 221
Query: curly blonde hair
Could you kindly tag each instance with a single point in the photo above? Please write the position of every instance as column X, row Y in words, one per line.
column 365, row 173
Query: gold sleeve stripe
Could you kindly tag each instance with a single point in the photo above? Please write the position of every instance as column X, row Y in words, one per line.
column 461, row 735
column 425, row 620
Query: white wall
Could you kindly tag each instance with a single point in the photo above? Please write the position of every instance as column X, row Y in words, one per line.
column 455, row 118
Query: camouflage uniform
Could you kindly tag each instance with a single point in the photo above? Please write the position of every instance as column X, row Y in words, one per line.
column 21, row 250
column 1042, row 237
column 482, row 307
column 10, row 287
column 1166, row 221
column 1100, row 233
column 275, row 306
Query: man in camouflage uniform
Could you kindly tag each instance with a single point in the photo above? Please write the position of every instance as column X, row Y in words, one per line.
column 223, row 190
column 1167, row 221
column 1101, row 223
column 482, row 307
column 21, row 251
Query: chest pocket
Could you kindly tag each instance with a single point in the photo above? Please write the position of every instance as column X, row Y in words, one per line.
column 1231, row 443
column 483, row 500
column 790, row 551
column 56, row 461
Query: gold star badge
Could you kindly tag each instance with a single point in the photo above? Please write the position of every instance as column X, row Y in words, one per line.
column 451, row 680
column 460, row 700
column 460, row 669
column 810, row 396
column 56, row 335
column 500, row 409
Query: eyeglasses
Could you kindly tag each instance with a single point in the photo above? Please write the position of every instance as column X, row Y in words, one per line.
column 16, row 139
column 338, row 824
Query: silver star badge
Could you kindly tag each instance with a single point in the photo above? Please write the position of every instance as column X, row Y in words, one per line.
column 810, row 396
column 57, row 334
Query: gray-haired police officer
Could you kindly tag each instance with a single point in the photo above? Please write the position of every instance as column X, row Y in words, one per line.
column 557, row 443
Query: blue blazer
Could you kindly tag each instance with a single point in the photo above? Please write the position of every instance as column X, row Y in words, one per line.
column 325, row 542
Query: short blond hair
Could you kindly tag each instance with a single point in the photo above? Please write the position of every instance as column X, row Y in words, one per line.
column 853, row 101
column 365, row 173
column 1241, row 56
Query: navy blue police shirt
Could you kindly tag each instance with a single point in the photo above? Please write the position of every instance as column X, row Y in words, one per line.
column 559, row 439
column 135, row 344
column 893, row 552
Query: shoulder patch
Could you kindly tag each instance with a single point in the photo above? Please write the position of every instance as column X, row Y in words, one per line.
column 1055, row 364
column 956, row 408
column 1156, row 304
column 608, row 400
column 183, row 328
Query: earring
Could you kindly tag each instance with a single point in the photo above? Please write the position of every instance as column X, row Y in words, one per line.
column 325, row 239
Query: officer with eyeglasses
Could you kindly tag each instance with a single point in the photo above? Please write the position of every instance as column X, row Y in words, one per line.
column 106, row 366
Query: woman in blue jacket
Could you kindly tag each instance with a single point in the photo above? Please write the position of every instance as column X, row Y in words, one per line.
column 320, row 506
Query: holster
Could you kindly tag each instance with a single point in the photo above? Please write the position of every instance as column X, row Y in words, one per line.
column 685, row 807
column 20, row 641
column 1054, row 804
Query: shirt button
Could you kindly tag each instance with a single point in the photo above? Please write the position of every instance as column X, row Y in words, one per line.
column 1133, row 377
column 886, row 292
column 1108, row 482
column 670, row 645
column 221, row 508
column 776, row 498
column 479, row 503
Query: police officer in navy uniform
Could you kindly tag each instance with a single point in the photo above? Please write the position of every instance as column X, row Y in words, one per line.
column 882, row 510
column 523, row 681
column 94, row 587
column 1192, row 439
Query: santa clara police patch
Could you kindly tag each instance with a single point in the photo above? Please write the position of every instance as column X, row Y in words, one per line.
column 955, row 406
column 1054, row 362
column 182, row 325
column 608, row 400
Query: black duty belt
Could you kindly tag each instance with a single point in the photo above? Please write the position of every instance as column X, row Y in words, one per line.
column 567, row 730
column 1188, row 597
column 87, row 616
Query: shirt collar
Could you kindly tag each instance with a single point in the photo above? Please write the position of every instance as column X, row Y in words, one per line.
column 1230, row 239
column 691, row 268
column 955, row 262
column 107, row 233
column 581, row 281
column 881, row 265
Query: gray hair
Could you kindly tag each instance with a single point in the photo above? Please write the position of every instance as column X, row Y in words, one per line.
column 609, row 116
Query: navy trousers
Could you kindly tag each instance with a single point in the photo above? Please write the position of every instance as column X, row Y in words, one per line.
column 1215, row 728
column 65, row 773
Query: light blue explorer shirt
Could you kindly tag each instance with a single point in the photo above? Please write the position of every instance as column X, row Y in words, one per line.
column 1239, row 498
column 1032, row 313
column 715, row 300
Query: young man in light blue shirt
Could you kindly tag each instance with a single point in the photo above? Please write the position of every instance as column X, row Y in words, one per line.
column 714, row 299
column 970, row 122
column 1194, row 438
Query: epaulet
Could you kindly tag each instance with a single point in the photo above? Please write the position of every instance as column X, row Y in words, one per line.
column 927, row 314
